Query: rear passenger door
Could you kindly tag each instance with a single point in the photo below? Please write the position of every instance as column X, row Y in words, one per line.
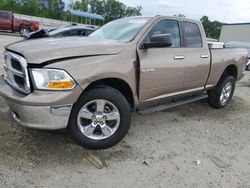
column 197, row 57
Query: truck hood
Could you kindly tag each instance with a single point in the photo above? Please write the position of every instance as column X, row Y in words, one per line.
column 52, row 49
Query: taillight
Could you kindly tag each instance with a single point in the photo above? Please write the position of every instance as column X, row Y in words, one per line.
column 36, row 25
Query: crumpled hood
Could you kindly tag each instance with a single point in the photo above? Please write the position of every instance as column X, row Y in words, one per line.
column 50, row 49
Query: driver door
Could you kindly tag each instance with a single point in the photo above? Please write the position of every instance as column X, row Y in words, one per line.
column 162, row 68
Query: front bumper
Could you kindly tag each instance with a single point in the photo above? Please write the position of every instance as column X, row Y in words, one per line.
column 48, row 110
column 40, row 117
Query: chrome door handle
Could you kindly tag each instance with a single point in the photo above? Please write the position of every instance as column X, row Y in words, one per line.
column 178, row 57
column 204, row 56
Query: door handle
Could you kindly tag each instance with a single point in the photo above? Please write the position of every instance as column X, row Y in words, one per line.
column 204, row 56
column 179, row 57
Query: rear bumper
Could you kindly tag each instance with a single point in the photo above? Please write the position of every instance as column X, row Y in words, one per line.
column 47, row 110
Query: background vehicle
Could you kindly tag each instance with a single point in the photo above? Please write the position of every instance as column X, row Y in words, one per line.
column 9, row 23
column 91, row 85
column 248, row 66
column 62, row 32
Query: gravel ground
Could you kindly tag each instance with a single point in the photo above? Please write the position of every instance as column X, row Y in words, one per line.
column 188, row 146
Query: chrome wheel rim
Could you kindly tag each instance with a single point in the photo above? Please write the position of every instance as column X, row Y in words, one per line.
column 98, row 119
column 226, row 93
column 24, row 32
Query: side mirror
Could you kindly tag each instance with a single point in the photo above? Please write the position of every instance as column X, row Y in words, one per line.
column 159, row 41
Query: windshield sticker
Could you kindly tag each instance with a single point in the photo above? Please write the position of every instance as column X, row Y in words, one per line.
column 137, row 21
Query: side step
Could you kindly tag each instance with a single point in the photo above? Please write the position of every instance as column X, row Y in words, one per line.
column 171, row 104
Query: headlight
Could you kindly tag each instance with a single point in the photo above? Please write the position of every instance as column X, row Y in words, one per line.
column 52, row 79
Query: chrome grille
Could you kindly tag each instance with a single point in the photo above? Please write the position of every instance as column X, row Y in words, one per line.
column 16, row 72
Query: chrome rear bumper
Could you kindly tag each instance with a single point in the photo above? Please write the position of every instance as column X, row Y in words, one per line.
column 41, row 117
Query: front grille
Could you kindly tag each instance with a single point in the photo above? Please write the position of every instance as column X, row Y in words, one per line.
column 16, row 72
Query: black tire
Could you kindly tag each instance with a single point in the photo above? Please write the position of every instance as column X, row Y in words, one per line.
column 23, row 31
column 109, row 94
column 215, row 94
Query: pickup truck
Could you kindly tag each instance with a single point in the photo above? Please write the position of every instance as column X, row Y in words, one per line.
column 9, row 23
column 90, row 85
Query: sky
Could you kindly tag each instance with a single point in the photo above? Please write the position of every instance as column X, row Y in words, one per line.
column 227, row 11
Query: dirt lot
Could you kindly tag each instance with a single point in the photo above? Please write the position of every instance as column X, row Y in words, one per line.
column 188, row 146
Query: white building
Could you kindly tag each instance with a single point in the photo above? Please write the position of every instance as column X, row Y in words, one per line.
column 235, row 32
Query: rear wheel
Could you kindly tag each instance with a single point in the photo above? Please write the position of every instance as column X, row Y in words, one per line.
column 100, row 119
column 223, row 92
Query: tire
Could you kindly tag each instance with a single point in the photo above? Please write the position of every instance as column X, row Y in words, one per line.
column 219, row 97
column 86, row 106
column 24, row 31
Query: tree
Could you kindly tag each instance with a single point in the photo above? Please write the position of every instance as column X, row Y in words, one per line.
column 212, row 29
column 45, row 8
column 133, row 11
column 96, row 6
column 109, row 9
column 80, row 5
column 8, row 5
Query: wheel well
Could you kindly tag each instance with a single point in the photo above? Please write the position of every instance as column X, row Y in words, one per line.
column 118, row 84
column 232, row 71
column 24, row 26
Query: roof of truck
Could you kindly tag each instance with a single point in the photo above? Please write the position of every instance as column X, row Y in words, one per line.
column 167, row 17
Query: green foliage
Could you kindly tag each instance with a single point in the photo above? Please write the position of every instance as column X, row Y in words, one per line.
column 212, row 29
column 80, row 5
column 42, row 8
column 109, row 9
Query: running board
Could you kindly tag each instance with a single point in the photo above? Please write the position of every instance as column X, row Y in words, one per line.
column 171, row 104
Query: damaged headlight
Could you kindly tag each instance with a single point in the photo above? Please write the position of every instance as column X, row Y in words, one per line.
column 52, row 79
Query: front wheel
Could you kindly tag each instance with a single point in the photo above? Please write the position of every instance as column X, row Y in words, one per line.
column 100, row 119
column 223, row 92
column 24, row 31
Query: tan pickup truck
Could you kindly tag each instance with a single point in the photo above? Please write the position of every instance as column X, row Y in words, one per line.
column 91, row 85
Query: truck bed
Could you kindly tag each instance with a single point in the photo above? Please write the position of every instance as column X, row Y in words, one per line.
column 223, row 57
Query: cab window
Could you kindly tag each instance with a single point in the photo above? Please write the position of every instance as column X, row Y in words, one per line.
column 167, row 27
column 193, row 35
column 70, row 33
column 4, row 15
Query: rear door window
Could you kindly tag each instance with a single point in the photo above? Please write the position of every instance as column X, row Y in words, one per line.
column 83, row 32
column 70, row 33
column 193, row 35
column 75, row 33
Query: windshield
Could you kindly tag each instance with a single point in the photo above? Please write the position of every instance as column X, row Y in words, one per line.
column 123, row 30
